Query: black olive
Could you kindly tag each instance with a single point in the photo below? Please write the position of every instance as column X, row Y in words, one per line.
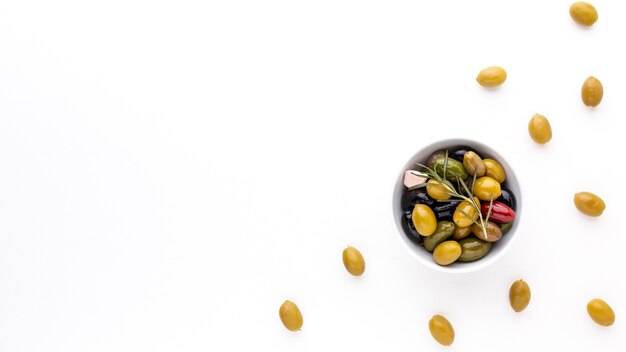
column 458, row 152
column 507, row 197
column 416, row 196
column 409, row 228
column 445, row 210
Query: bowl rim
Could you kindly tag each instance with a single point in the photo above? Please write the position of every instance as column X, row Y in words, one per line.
column 399, row 188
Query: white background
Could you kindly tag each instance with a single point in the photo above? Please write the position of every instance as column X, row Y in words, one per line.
column 172, row 171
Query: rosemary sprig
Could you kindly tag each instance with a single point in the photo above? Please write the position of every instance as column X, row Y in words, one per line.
column 458, row 194
column 489, row 209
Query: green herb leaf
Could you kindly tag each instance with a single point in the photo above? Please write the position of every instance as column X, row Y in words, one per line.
column 445, row 165
column 489, row 211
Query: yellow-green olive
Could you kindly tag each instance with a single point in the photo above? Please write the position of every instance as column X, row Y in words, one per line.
column 441, row 330
column 519, row 295
column 592, row 92
column 437, row 191
column 491, row 76
column 447, row 252
column 583, row 13
column 443, row 232
column 493, row 232
column 353, row 261
column 474, row 164
column 506, row 227
column 424, row 220
column 601, row 312
column 460, row 219
column 589, row 204
column 494, row 170
column 540, row 129
column 454, row 169
column 461, row 232
column 487, row 188
column 473, row 248
column 290, row 316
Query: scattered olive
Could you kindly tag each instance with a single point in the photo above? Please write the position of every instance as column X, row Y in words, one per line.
column 290, row 316
column 491, row 76
column 474, row 164
column 461, row 232
column 486, row 188
column 424, row 220
column 447, row 252
column 583, row 13
column 589, row 204
column 494, row 170
column 443, row 232
column 437, row 191
column 353, row 261
column 592, row 92
column 601, row 312
column 465, row 208
column 473, row 248
column 539, row 129
column 441, row 330
column 519, row 295
column 493, row 232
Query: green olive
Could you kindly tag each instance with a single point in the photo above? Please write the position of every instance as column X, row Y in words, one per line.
column 487, row 188
column 491, row 77
column 454, row 169
column 353, row 261
column 519, row 295
column 437, row 191
column 493, row 234
column 494, row 170
column 474, row 164
column 441, row 330
column 443, row 232
column 540, row 129
column 461, row 219
column 461, row 232
column 592, row 92
column 290, row 316
column 589, row 204
column 424, row 220
column 473, row 248
column 583, row 13
column 506, row 227
column 434, row 156
column 447, row 252
column 601, row 312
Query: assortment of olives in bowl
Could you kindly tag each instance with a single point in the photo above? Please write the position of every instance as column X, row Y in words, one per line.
column 457, row 205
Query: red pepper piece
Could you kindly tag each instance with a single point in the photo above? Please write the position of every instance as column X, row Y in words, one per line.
column 500, row 212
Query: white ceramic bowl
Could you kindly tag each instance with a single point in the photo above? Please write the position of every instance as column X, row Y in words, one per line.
column 498, row 249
